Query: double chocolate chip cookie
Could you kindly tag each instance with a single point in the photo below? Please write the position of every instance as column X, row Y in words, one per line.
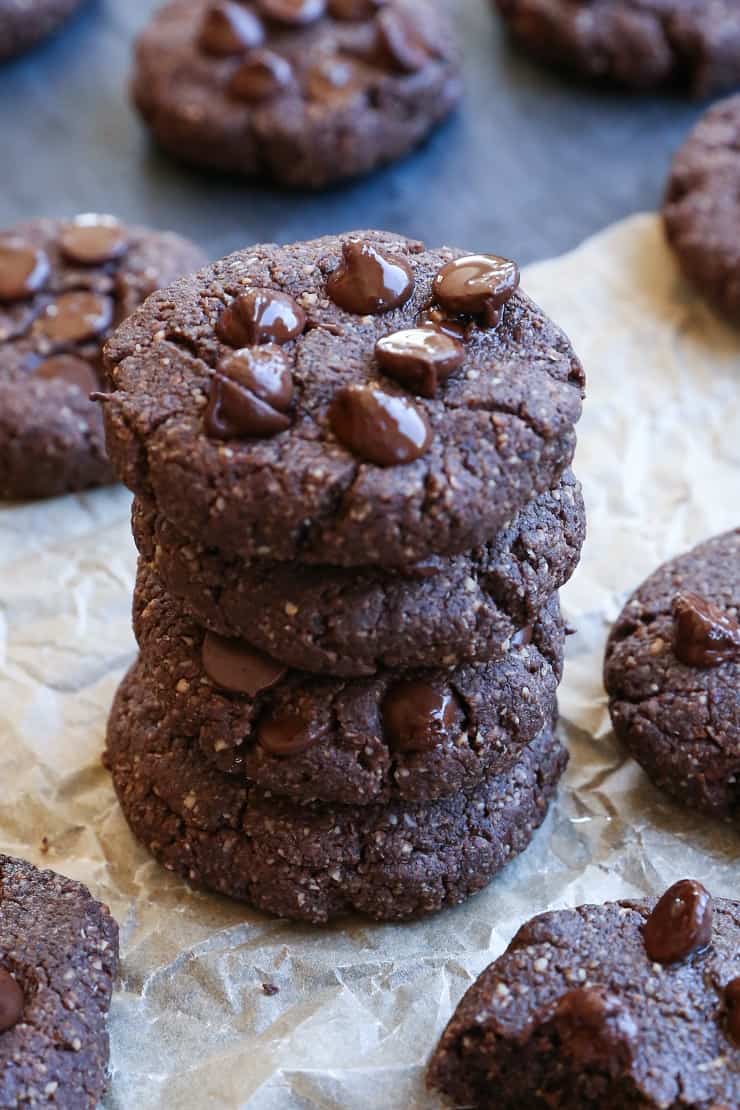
column 686, row 45
column 24, row 23
column 672, row 673
column 303, row 92
column 58, row 962
column 626, row 1004
column 63, row 287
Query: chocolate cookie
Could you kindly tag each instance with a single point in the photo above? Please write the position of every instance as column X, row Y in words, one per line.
column 349, row 401
column 58, row 961
column 688, row 45
column 672, row 672
column 305, row 93
column 312, row 862
column 24, row 23
column 349, row 622
column 702, row 206
column 63, row 288
column 417, row 734
column 626, row 1004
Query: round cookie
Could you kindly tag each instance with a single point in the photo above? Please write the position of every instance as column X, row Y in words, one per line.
column 63, row 287
column 305, row 93
column 349, row 622
column 416, row 735
column 24, row 23
column 314, row 862
column 672, row 673
column 249, row 405
column 702, row 206
column 625, row 1004
column 58, row 962
column 688, row 45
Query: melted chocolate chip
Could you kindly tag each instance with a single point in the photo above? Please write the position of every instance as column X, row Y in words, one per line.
column 420, row 358
column 11, row 1001
column 680, row 924
column 261, row 76
column 250, row 394
column 229, row 28
column 595, row 1028
column 24, row 270
column 378, row 427
column 286, row 735
column 401, row 40
column 704, row 635
column 93, row 240
column 260, row 316
column 332, row 78
column 294, row 13
column 75, row 317
column 417, row 717
column 369, row 281
column 235, row 666
column 477, row 285
column 354, row 10
column 457, row 327
column 70, row 369
column 266, row 371
column 732, row 1006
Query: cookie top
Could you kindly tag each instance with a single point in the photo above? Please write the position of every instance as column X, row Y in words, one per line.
column 640, row 44
column 417, row 734
column 350, row 621
column 314, row 862
column 275, row 406
column 305, row 92
column 64, row 286
column 58, row 961
column 672, row 672
column 702, row 206
column 622, row 1004
column 22, row 25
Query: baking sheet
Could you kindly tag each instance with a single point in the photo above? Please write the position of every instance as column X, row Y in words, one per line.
column 360, row 1006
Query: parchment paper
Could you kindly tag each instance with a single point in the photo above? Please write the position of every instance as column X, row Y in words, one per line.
column 360, row 1006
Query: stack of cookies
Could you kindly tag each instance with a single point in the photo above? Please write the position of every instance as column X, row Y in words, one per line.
column 354, row 512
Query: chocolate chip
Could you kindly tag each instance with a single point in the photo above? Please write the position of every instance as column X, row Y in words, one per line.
column 401, row 40
column 70, row 369
column 266, row 371
column 457, row 327
column 354, row 10
column 417, row 717
column 595, row 1028
column 293, row 12
column 24, row 270
column 11, row 1001
column 229, row 28
column 92, row 240
column 235, row 666
column 704, row 635
column 75, row 317
column 420, row 358
column 732, row 1006
column 287, row 735
column 368, row 280
column 261, row 76
column 680, row 924
column 250, row 394
column 477, row 285
column 260, row 316
column 378, row 426
column 332, row 77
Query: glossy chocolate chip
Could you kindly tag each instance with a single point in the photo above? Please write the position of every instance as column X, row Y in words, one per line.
column 92, row 240
column 11, row 1001
column 354, row 10
column 331, row 78
column 379, row 427
column 680, row 924
column 262, row 76
column 704, row 635
column 75, row 317
column 477, row 285
column 368, row 280
column 420, row 358
column 286, row 735
column 732, row 1007
column 265, row 370
column 24, row 270
column 457, row 327
column 417, row 717
column 70, row 369
column 250, row 395
column 229, row 28
column 294, row 13
column 401, row 40
column 260, row 316
column 595, row 1028
column 235, row 666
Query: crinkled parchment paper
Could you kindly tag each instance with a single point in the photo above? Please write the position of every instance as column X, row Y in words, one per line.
column 360, row 1006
